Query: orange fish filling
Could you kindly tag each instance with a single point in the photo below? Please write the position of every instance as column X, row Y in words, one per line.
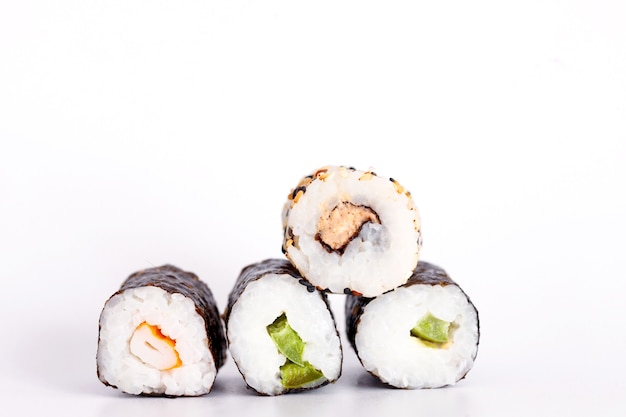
column 152, row 347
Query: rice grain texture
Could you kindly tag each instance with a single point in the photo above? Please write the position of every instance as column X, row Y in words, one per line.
column 161, row 334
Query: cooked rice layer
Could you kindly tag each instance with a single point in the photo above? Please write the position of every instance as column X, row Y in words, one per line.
column 177, row 319
column 387, row 349
column 252, row 349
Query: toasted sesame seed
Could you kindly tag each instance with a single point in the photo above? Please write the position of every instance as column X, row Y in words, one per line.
column 299, row 194
column 396, row 184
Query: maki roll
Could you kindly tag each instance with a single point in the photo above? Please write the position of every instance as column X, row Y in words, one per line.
column 281, row 332
column 347, row 230
column 161, row 334
column 423, row 334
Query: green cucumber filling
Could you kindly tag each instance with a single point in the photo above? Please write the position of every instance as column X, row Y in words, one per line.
column 432, row 329
column 295, row 373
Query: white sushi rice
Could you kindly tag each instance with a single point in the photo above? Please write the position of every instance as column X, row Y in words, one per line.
column 254, row 351
column 380, row 258
column 387, row 349
column 176, row 317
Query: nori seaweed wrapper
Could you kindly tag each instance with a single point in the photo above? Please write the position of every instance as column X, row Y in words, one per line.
column 174, row 280
column 425, row 273
column 257, row 271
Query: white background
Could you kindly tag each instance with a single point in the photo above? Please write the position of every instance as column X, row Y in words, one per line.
column 134, row 134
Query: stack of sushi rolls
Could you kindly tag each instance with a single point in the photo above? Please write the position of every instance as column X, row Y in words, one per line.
column 281, row 332
column 357, row 233
column 161, row 334
column 345, row 231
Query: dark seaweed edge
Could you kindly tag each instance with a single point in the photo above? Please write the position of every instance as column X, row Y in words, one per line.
column 257, row 271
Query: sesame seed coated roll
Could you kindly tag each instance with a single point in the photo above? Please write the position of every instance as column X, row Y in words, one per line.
column 351, row 231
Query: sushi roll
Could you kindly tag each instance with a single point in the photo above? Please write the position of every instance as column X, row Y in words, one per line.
column 281, row 332
column 161, row 334
column 423, row 334
column 351, row 231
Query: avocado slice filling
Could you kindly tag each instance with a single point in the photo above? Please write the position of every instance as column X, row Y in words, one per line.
column 295, row 373
column 431, row 329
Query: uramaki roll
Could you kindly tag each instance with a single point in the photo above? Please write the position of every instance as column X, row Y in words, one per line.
column 347, row 231
column 281, row 332
column 423, row 334
column 161, row 334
